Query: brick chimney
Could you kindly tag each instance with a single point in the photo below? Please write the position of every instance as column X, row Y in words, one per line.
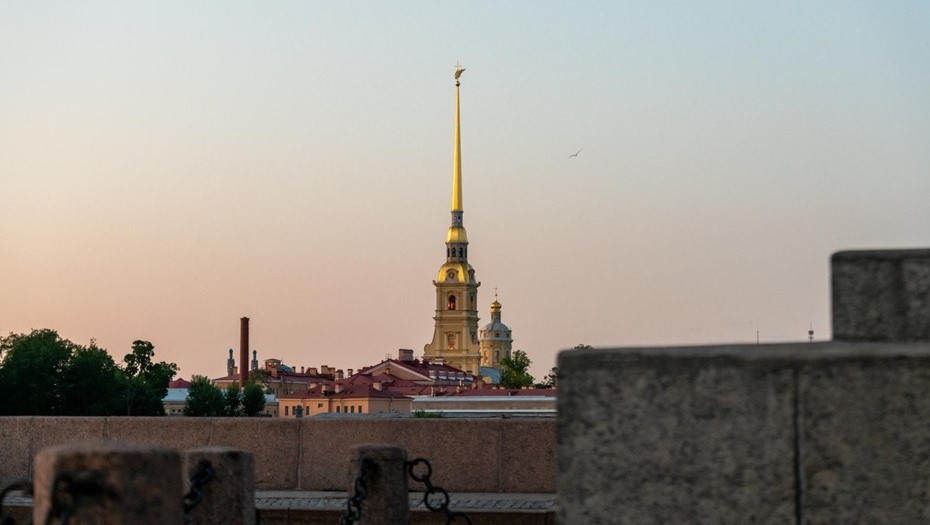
column 243, row 350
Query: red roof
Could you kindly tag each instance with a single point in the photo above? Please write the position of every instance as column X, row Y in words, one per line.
column 179, row 383
column 522, row 392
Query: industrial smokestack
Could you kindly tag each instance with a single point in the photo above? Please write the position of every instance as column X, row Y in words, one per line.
column 243, row 350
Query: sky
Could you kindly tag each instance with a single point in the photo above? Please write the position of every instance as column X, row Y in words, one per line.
column 169, row 167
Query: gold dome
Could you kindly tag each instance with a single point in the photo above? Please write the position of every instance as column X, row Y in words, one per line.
column 496, row 305
column 457, row 234
column 454, row 272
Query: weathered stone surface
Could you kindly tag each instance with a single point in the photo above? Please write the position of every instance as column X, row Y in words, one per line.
column 180, row 433
column 826, row 433
column 229, row 495
column 527, row 458
column 386, row 500
column 15, row 452
column 465, row 454
column 108, row 483
column 865, row 438
column 881, row 295
column 51, row 431
column 680, row 435
column 275, row 443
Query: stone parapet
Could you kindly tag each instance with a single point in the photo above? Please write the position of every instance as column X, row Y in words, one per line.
column 881, row 295
column 797, row 433
column 469, row 455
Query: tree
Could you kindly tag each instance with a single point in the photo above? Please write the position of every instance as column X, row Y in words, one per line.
column 232, row 397
column 30, row 373
column 145, row 382
column 204, row 399
column 514, row 370
column 90, row 383
column 551, row 380
column 253, row 399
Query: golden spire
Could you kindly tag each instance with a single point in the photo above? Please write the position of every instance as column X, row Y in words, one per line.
column 457, row 153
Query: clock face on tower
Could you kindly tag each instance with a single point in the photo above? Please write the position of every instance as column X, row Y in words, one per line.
column 451, row 274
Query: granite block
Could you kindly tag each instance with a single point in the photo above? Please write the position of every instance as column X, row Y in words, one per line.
column 274, row 442
column 229, row 494
column 108, row 483
column 180, row 433
column 15, row 452
column 527, row 458
column 464, row 453
column 53, row 431
column 865, row 441
column 675, row 436
column 881, row 295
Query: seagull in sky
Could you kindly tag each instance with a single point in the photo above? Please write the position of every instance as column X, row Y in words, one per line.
column 575, row 154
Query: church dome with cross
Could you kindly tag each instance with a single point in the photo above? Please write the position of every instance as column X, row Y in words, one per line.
column 495, row 339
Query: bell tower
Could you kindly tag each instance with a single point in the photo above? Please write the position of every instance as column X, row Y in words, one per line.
column 455, row 336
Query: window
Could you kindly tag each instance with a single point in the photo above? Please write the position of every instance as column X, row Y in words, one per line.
column 352, row 409
column 360, row 409
column 319, row 405
column 337, row 409
column 451, row 302
column 285, row 409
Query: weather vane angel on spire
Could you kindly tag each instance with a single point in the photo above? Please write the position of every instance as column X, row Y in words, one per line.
column 458, row 72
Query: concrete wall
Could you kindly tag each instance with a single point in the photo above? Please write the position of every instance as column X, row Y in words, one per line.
column 825, row 433
column 486, row 455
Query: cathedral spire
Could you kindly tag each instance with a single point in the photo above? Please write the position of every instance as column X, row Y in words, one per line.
column 455, row 336
column 457, row 152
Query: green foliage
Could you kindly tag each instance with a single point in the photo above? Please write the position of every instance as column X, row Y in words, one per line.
column 232, row 397
column 145, row 382
column 204, row 399
column 551, row 380
column 90, row 384
column 514, row 370
column 422, row 414
column 43, row 374
column 31, row 372
column 253, row 399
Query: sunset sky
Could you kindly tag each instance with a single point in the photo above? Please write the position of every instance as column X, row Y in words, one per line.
column 169, row 167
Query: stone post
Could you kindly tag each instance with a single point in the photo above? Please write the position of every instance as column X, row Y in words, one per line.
column 387, row 502
column 229, row 496
column 881, row 295
column 107, row 483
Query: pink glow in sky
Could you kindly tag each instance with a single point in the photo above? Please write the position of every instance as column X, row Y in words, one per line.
column 167, row 168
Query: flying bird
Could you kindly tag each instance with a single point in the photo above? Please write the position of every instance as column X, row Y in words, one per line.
column 575, row 154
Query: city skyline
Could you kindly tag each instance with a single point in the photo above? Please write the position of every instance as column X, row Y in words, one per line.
column 168, row 170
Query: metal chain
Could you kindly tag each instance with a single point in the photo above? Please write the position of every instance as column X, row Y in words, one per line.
column 67, row 489
column 433, row 491
column 22, row 485
column 353, row 511
column 198, row 479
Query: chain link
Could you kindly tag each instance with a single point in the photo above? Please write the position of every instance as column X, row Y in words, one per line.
column 23, row 485
column 353, row 511
column 198, row 479
column 433, row 494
